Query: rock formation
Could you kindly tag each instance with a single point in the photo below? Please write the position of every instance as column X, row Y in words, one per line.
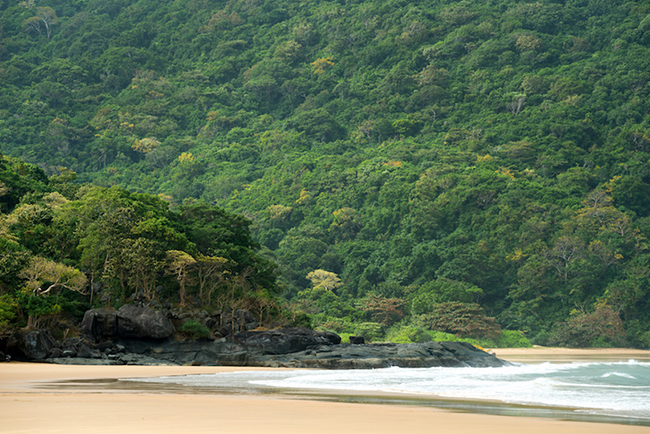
column 143, row 336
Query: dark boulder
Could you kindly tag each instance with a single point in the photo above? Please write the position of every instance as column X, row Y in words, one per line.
column 357, row 340
column 99, row 324
column 143, row 323
column 35, row 344
column 284, row 341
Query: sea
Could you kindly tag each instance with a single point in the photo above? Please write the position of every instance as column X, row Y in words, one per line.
column 596, row 391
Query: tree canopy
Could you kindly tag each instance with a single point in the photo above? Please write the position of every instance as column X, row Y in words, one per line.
column 492, row 153
column 120, row 246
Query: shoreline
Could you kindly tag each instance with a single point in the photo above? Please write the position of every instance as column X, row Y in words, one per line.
column 76, row 398
column 539, row 354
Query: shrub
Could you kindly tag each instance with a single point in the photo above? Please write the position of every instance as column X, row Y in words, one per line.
column 8, row 310
column 601, row 328
column 462, row 319
column 299, row 319
column 637, row 334
column 384, row 310
column 194, row 329
column 408, row 335
column 438, row 336
column 369, row 330
column 511, row 339
column 345, row 337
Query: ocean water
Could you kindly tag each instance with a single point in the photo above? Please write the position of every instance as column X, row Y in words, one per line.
column 614, row 389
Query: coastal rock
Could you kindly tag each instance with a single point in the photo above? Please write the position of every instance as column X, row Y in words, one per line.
column 143, row 323
column 100, row 323
column 291, row 348
column 35, row 344
column 201, row 352
column 373, row 356
column 284, row 341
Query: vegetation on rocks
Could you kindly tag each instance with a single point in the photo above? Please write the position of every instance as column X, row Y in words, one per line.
column 107, row 246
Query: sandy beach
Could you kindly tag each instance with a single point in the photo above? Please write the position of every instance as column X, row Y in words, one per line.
column 34, row 398
column 546, row 354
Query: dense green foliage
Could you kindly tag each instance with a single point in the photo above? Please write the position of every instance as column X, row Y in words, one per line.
column 106, row 246
column 194, row 329
column 493, row 152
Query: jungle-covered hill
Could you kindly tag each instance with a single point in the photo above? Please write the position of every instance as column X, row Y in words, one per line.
column 417, row 158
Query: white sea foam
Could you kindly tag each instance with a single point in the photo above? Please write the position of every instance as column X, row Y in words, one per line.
column 618, row 388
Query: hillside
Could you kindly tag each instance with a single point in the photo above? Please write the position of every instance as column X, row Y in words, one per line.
column 431, row 155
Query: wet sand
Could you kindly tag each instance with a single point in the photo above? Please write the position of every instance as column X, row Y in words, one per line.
column 36, row 398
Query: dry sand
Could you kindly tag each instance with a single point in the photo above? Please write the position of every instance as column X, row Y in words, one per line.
column 26, row 407
column 546, row 354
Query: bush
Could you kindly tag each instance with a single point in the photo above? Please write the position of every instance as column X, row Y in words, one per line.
column 637, row 334
column 507, row 339
column 408, row 335
column 369, row 330
column 449, row 337
column 384, row 310
column 8, row 310
column 194, row 329
column 438, row 336
column 462, row 319
column 345, row 337
column 511, row 339
column 601, row 328
column 299, row 319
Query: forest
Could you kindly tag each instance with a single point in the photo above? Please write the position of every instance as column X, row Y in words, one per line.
column 401, row 170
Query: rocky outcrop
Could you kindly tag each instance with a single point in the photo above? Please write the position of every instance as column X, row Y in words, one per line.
column 290, row 348
column 35, row 344
column 284, row 341
column 145, row 322
column 140, row 335
column 142, row 322
column 130, row 321
column 100, row 324
column 39, row 345
column 372, row 356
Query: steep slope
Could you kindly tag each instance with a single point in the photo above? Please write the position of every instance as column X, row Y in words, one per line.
column 432, row 151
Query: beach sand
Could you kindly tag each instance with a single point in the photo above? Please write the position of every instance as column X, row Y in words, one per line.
column 546, row 354
column 34, row 398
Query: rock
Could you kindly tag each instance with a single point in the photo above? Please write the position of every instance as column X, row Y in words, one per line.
column 251, row 326
column 85, row 352
column 106, row 346
column 209, row 353
column 35, row 344
column 72, row 343
column 143, row 323
column 284, row 341
column 83, row 361
column 100, row 323
column 244, row 316
column 154, row 304
column 290, row 347
column 69, row 353
column 55, row 352
column 373, row 356
column 208, row 322
column 137, row 359
column 357, row 340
